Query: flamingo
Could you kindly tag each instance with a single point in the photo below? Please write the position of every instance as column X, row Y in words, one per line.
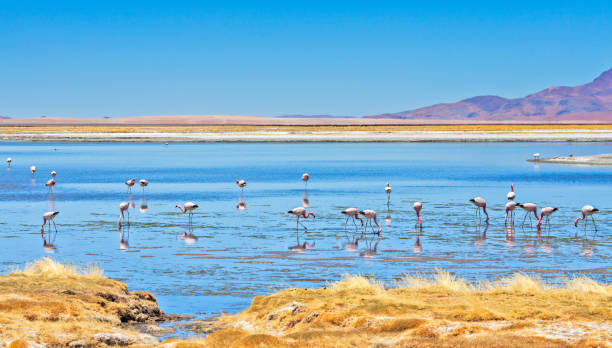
column 8, row 161
column 33, row 169
column 129, row 184
column 510, row 206
column 480, row 202
column 143, row 183
column 123, row 207
column 587, row 210
column 354, row 213
column 53, row 173
column 370, row 215
column 188, row 207
column 511, row 195
column 546, row 212
column 417, row 208
column 50, row 184
column 305, row 178
column 388, row 192
column 48, row 218
column 300, row 212
column 241, row 184
column 529, row 208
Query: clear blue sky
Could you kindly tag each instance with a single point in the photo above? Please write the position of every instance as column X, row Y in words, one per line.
column 123, row 58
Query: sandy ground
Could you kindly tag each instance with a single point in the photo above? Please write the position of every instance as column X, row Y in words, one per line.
column 596, row 160
column 582, row 135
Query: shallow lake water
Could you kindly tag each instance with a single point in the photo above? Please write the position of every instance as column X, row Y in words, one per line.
column 229, row 254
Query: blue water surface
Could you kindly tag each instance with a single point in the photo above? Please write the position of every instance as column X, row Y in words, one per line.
column 230, row 255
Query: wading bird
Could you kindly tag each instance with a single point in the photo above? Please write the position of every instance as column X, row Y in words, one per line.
column 53, row 173
column 480, row 202
column 129, row 184
column 143, row 183
column 587, row 211
column 354, row 213
column 546, row 212
column 48, row 218
column 370, row 215
column 417, row 208
column 305, row 178
column 50, row 184
column 388, row 192
column 188, row 207
column 510, row 206
column 8, row 161
column 123, row 206
column 300, row 212
column 529, row 208
column 241, row 184
column 33, row 169
column 511, row 195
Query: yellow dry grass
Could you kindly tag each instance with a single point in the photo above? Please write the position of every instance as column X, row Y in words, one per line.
column 441, row 312
column 56, row 304
column 263, row 128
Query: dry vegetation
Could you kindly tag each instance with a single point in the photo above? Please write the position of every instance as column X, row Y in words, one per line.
column 244, row 128
column 61, row 305
column 445, row 312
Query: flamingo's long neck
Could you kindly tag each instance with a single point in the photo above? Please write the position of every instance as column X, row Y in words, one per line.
column 307, row 215
column 376, row 222
column 484, row 209
column 358, row 218
column 512, row 188
column 181, row 208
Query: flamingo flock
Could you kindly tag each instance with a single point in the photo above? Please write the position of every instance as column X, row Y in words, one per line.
column 352, row 213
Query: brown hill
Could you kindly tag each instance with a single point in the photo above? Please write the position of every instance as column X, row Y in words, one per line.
column 589, row 102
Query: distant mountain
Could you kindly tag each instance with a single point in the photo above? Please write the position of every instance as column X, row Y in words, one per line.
column 313, row 116
column 4, row 118
column 588, row 102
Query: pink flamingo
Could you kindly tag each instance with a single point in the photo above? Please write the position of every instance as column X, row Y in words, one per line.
column 188, row 207
column 33, row 169
column 546, row 212
column 129, row 184
column 480, row 202
column 143, row 183
column 8, row 161
column 587, row 210
column 510, row 206
column 123, row 206
column 354, row 213
column 511, row 194
column 417, row 208
column 241, row 184
column 301, row 212
column 529, row 208
column 305, row 178
column 50, row 184
column 48, row 218
column 53, row 173
column 370, row 215
column 388, row 192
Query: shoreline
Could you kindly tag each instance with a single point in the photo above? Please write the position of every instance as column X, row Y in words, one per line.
column 57, row 304
column 307, row 135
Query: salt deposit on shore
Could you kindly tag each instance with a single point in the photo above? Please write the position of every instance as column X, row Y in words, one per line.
column 596, row 160
column 582, row 135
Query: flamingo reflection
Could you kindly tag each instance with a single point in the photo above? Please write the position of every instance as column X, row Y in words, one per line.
column 49, row 241
column 241, row 204
column 371, row 250
column 417, row 244
column 143, row 205
column 124, row 237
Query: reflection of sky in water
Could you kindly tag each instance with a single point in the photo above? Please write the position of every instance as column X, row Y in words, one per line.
column 242, row 244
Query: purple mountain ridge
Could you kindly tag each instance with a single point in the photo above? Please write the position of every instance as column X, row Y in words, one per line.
column 588, row 102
